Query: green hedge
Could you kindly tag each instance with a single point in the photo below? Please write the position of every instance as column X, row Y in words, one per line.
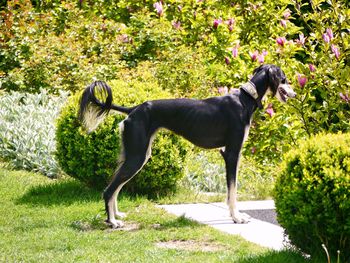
column 312, row 195
column 92, row 158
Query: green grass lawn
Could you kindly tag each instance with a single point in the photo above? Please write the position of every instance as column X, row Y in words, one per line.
column 43, row 220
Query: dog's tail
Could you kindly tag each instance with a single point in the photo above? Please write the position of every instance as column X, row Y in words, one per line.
column 95, row 104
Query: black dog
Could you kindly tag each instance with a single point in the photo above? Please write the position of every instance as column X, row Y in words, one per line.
column 218, row 122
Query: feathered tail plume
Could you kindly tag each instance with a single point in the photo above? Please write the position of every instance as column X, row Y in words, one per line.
column 95, row 104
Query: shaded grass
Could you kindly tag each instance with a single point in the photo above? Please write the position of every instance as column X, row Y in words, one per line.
column 42, row 220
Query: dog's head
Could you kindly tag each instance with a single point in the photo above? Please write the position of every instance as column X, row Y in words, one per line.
column 277, row 82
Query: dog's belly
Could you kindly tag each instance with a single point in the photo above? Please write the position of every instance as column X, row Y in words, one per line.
column 204, row 137
column 209, row 143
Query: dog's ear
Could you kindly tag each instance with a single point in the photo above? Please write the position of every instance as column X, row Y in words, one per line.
column 273, row 74
column 256, row 70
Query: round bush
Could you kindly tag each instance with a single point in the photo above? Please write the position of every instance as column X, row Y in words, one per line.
column 312, row 195
column 92, row 158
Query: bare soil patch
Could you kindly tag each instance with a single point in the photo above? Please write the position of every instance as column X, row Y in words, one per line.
column 191, row 245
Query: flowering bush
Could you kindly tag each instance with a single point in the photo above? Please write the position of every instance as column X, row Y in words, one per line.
column 193, row 49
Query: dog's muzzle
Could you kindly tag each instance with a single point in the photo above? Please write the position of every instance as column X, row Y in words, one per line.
column 284, row 92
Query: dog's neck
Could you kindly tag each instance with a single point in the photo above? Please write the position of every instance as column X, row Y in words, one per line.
column 250, row 88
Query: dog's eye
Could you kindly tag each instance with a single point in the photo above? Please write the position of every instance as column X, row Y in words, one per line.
column 284, row 81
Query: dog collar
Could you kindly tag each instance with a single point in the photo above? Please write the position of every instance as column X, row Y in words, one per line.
column 250, row 88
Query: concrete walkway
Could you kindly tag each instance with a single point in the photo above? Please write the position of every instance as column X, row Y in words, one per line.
column 263, row 228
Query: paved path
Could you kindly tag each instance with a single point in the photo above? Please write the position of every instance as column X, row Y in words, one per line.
column 263, row 228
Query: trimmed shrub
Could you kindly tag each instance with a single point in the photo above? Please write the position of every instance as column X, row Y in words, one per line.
column 27, row 130
column 312, row 195
column 92, row 158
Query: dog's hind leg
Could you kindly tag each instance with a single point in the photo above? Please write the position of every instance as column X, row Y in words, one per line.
column 136, row 143
column 126, row 171
column 231, row 157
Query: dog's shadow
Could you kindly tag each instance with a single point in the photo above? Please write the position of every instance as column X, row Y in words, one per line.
column 65, row 192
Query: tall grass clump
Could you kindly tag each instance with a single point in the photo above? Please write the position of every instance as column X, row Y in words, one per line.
column 27, row 130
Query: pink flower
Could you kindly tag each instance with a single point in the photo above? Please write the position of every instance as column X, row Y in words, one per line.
column 257, row 56
column 281, row 41
column 223, row 90
column 286, row 14
column 261, row 58
column 283, row 23
column 269, row 110
column 326, row 38
column 345, row 97
column 301, row 40
column 230, row 22
column 312, row 67
column 335, row 51
column 176, row 24
column 302, row 80
column 254, row 55
column 235, row 51
column 159, row 8
column 329, row 32
column 217, row 22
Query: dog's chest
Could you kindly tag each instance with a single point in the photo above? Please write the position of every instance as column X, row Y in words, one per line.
column 246, row 130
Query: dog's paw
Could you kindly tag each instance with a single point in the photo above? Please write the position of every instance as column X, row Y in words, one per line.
column 120, row 214
column 114, row 223
column 240, row 218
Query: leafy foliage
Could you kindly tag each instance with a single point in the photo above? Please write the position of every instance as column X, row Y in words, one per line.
column 27, row 130
column 205, row 172
column 312, row 195
column 193, row 48
column 92, row 158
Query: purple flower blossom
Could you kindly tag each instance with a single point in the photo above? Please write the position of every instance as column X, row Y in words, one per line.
column 329, row 32
column 312, row 67
column 261, row 58
column 159, row 8
column 301, row 40
column 286, row 14
column 302, row 80
column 326, row 38
column 223, row 90
column 269, row 110
column 254, row 55
column 235, row 51
column 335, row 51
column 281, row 41
column 217, row 22
column 230, row 22
column 345, row 97
column 283, row 23
column 227, row 61
column 176, row 24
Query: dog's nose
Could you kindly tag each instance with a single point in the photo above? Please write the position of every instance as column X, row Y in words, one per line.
column 291, row 93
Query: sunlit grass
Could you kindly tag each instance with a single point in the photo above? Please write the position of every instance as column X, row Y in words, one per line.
column 42, row 220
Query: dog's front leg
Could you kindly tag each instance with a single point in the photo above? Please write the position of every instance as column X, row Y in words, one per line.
column 231, row 158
